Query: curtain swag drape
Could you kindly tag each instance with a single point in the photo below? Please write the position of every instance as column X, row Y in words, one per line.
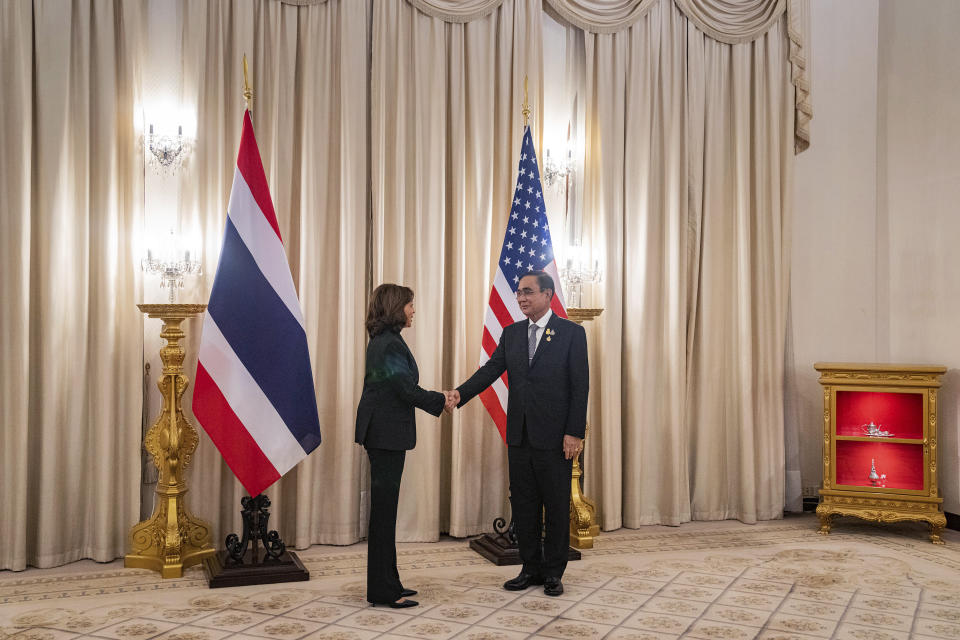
column 733, row 22
column 798, row 25
column 459, row 11
column 599, row 16
column 727, row 21
column 302, row 3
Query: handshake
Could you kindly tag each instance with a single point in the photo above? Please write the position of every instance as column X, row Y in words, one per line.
column 453, row 399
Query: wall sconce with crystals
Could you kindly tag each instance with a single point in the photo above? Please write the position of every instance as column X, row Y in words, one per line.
column 167, row 153
column 555, row 173
column 576, row 272
column 172, row 267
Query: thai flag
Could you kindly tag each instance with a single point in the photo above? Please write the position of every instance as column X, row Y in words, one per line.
column 254, row 392
column 526, row 247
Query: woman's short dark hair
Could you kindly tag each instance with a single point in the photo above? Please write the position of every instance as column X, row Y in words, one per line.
column 386, row 308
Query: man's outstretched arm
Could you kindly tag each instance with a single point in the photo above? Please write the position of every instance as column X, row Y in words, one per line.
column 485, row 375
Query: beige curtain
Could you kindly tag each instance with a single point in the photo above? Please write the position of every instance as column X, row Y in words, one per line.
column 309, row 74
column 70, row 344
column 636, row 178
column 688, row 166
column 445, row 134
column 740, row 150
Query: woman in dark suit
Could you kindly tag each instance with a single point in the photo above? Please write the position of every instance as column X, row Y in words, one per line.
column 386, row 427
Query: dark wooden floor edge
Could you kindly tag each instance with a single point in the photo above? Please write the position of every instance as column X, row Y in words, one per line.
column 953, row 521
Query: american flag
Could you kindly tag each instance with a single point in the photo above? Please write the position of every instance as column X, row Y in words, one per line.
column 254, row 390
column 526, row 247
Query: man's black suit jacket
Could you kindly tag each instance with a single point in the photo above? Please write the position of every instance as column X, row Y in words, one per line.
column 550, row 392
column 385, row 415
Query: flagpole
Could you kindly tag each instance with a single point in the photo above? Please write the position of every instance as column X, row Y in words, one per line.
column 526, row 104
column 247, row 91
column 241, row 562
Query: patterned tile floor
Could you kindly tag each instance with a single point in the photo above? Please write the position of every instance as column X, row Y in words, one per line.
column 722, row 580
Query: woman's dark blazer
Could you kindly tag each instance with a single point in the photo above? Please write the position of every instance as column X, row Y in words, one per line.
column 385, row 415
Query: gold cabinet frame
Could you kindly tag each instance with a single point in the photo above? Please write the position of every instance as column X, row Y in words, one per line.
column 881, row 504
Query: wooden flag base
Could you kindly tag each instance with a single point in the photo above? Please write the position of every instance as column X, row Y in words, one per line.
column 223, row 571
column 501, row 553
column 242, row 563
column 501, row 547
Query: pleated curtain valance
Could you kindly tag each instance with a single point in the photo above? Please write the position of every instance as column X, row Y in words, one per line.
column 456, row 10
column 733, row 21
column 599, row 16
column 728, row 21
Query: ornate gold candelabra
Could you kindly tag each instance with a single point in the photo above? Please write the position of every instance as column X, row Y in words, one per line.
column 583, row 525
column 171, row 540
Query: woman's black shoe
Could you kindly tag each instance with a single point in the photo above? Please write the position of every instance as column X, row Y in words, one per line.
column 404, row 604
column 406, row 593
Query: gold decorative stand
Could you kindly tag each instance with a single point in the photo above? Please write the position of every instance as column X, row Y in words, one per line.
column 583, row 521
column 171, row 540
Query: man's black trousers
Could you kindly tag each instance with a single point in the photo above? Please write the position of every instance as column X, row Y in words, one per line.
column 540, row 484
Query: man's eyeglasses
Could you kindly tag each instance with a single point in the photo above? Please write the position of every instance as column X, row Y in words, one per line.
column 526, row 293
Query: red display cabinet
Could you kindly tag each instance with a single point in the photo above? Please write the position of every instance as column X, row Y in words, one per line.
column 880, row 444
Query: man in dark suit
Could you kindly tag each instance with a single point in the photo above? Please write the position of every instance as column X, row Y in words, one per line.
column 545, row 357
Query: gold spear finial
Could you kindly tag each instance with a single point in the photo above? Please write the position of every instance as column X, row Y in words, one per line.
column 526, row 104
column 247, row 91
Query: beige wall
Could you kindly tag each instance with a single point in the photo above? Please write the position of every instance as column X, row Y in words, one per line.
column 876, row 213
column 919, row 201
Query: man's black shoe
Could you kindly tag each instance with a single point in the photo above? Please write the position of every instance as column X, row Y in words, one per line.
column 406, row 593
column 522, row 581
column 552, row 586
